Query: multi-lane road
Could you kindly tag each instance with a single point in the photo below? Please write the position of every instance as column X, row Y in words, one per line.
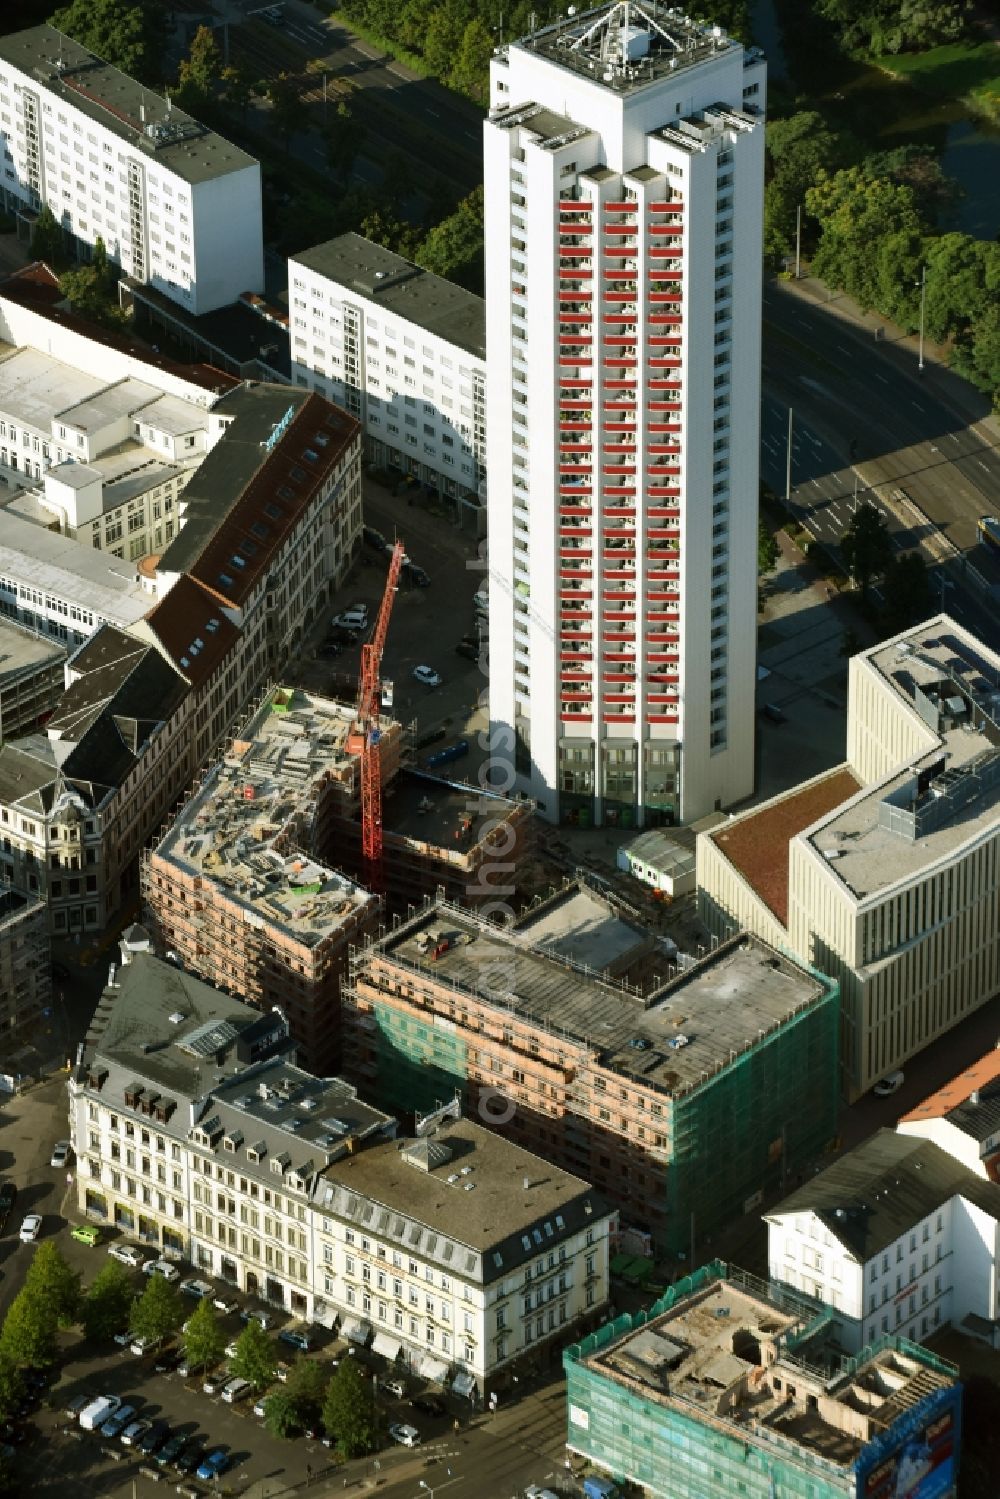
column 868, row 424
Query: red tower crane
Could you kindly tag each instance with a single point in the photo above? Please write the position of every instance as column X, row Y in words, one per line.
column 369, row 703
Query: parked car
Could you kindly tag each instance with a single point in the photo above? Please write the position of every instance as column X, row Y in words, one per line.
column 235, row 1390
column 373, row 538
column 153, row 1438
column 73, row 1407
column 197, row 1288
column 94, row 1415
column 126, row 1254
column 86, row 1233
column 60, row 1153
column 123, row 1339
column 117, row 1421
column 428, row 1405
column 189, row 1458
column 427, row 675
column 31, row 1228
column 213, row 1383
column 171, row 1450
column 295, row 1338
column 420, row 577
column 161, row 1267
column 470, row 652
column 254, row 1315
column 330, row 648
column 456, row 751
column 134, row 1433
column 215, row 1463
column 231, row 1349
column 260, row 1407
column 225, row 1304
column 392, row 1385
column 407, row 1436
column 888, row 1085
column 352, row 619
column 168, row 1361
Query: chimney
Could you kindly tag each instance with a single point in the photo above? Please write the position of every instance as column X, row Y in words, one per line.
column 527, row 1183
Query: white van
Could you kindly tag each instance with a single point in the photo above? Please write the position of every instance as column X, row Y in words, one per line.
column 235, row 1390
column 482, row 601
column 98, row 1411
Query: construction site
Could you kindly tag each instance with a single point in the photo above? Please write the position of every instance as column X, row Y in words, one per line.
column 259, row 881
column 729, row 1385
column 683, row 1089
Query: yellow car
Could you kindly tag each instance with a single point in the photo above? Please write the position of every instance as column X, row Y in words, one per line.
column 86, row 1233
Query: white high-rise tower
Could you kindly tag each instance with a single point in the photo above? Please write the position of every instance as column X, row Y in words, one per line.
column 624, row 158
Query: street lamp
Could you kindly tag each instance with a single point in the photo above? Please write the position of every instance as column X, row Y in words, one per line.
column 923, row 304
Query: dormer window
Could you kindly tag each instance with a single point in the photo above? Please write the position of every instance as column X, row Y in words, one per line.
column 256, row 1152
column 233, row 1141
column 280, row 1163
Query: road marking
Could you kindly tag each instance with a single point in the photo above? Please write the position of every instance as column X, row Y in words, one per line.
column 880, row 377
column 983, row 465
column 433, row 114
column 373, row 56
column 816, row 484
column 955, row 436
column 848, row 352
column 804, row 321
column 917, row 405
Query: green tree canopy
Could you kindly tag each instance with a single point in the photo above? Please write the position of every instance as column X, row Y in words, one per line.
column 48, row 242
column 158, row 1312
column 130, row 36
column 255, row 1359
column 28, row 1336
column 104, row 1310
column 349, row 1410
column 204, row 1339
column 11, row 1384
column 307, row 1383
column 200, row 71
column 281, row 1414
column 241, row 84
column 53, row 1282
column 878, row 26
column 767, row 548
column 454, row 248
column 865, row 546
column 917, row 168
column 287, row 110
column 344, row 138
column 855, row 213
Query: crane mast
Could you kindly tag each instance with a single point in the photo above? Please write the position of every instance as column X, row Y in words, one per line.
column 369, row 703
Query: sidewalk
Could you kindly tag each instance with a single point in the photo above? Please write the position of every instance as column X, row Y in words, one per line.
column 968, row 402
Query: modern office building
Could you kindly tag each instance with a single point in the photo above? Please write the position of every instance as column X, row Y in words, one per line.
column 884, row 872
column 55, row 587
column 730, row 1386
column 682, row 1099
column 402, row 350
column 624, row 156
column 897, row 1236
column 175, row 204
column 963, row 1117
column 454, row 1253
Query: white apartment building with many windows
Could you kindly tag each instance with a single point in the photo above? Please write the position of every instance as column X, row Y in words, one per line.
column 177, row 206
column 895, row 1237
column 624, row 157
column 455, row 1253
column 400, row 349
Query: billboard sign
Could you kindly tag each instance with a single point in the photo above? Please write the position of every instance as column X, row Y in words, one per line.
column 924, row 1461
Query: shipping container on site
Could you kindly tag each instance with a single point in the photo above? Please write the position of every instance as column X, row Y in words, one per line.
column 639, row 1439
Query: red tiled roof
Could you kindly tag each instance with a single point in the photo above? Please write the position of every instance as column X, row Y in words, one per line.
column 757, row 844
column 956, row 1090
column 189, row 614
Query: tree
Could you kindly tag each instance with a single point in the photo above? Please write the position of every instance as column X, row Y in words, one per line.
column 11, row 1385
column 470, row 72
column 767, row 548
column 865, row 546
column 48, row 242
column 454, row 248
column 105, row 1308
column 28, row 1336
column 799, row 149
column 856, row 214
column 287, row 112
column 349, row 1410
column 158, row 1312
column 54, row 1283
column 306, row 1386
column 344, row 138
column 200, row 71
column 204, row 1340
column 281, row 1416
column 241, row 85
column 917, row 168
column 907, row 591
column 130, row 36
column 255, row 1359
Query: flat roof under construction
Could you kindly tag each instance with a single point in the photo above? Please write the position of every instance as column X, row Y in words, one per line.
column 673, row 1038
